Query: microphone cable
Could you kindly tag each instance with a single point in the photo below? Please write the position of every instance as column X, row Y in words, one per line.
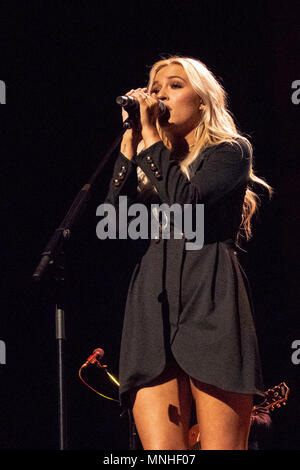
column 112, row 378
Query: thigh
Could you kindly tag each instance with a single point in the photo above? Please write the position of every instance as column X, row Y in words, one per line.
column 223, row 417
column 161, row 412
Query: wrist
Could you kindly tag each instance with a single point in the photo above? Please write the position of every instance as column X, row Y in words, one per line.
column 150, row 136
column 129, row 146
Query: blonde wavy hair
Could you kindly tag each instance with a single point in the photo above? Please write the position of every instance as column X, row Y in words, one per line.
column 215, row 127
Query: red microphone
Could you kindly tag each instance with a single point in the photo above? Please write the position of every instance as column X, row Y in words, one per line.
column 94, row 358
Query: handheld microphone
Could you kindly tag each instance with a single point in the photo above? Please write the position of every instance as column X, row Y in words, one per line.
column 94, row 358
column 130, row 103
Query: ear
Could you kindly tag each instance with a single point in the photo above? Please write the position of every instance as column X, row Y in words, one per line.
column 201, row 104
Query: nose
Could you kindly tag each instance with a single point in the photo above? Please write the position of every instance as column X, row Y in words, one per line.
column 162, row 94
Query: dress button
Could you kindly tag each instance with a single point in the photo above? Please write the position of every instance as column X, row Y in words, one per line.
column 116, row 182
column 123, row 169
column 149, row 159
column 157, row 174
column 121, row 175
column 153, row 167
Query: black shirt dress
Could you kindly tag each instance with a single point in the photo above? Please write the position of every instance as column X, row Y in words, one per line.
column 191, row 305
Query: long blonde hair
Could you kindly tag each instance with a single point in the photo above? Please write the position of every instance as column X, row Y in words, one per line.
column 216, row 126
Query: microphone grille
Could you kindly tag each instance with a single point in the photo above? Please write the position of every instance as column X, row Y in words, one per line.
column 121, row 100
column 99, row 352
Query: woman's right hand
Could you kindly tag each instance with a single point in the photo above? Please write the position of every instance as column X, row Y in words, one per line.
column 131, row 137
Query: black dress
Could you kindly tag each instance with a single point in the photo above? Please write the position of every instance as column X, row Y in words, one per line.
column 191, row 305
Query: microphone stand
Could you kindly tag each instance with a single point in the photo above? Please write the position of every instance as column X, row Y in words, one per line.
column 53, row 255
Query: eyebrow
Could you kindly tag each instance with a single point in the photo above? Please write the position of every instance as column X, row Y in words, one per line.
column 172, row 76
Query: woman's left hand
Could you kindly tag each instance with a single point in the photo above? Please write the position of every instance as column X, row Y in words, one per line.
column 149, row 110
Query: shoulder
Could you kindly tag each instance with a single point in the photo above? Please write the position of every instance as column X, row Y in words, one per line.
column 237, row 152
column 239, row 149
column 225, row 160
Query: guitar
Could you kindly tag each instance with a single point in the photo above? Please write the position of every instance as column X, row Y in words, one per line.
column 274, row 398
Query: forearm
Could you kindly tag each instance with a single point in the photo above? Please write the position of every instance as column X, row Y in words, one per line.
column 131, row 140
column 129, row 143
column 124, row 180
column 127, row 149
column 150, row 136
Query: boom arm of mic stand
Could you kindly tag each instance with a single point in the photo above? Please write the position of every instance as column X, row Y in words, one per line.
column 63, row 232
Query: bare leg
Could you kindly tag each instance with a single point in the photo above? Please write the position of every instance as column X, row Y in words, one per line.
column 223, row 417
column 162, row 412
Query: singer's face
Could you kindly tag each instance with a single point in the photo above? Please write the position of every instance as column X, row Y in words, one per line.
column 171, row 85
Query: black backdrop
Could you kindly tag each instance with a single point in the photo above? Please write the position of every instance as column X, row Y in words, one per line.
column 63, row 64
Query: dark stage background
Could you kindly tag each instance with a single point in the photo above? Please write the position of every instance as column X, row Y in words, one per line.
column 63, row 64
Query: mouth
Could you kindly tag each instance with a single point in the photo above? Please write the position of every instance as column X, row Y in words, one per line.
column 165, row 117
column 168, row 110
